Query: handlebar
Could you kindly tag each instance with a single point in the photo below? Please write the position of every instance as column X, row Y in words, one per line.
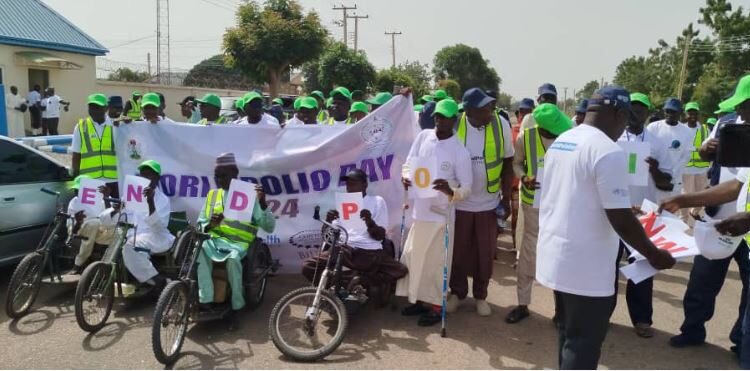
column 50, row 191
column 316, row 216
column 112, row 200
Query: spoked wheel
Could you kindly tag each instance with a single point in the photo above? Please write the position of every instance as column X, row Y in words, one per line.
column 304, row 333
column 170, row 322
column 24, row 285
column 256, row 279
column 94, row 297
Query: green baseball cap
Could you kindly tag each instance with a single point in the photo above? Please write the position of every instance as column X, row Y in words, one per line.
column 239, row 103
column 641, row 98
column 343, row 92
column 380, row 98
column 418, row 108
column 692, row 105
column 211, row 99
column 278, row 101
column 359, row 107
column 439, row 95
column 319, row 94
column 724, row 108
column 446, row 107
column 711, row 121
column 251, row 96
column 550, row 118
column 151, row 164
column 150, row 99
column 329, row 102
column 298, row 101
column 741, row 94
column 76, row 184
column 98, row 99
column 308, row 102
column 426, row 98
column 136, row 93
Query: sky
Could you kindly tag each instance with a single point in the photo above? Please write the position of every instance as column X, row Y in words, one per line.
column 528, row 42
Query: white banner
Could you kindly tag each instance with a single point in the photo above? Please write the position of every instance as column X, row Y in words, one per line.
column 299, row 167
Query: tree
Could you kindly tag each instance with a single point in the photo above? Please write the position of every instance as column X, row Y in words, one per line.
column 732, row 28
column 386, row 80
column 128, row 75
column 452, row 87
column 504, row 100
column 465, row 65
column 267, row 42
column 339, row 66
column 213, row 73
column 588, row 90
column 710, row 90
column 420, row 75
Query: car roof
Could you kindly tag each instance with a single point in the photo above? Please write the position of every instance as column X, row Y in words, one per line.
column 40, row 153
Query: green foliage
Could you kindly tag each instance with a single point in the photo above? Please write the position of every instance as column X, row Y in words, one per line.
column 465, row 65
column 504, row 100
column 452, row 87
column 213, row 73
column 339, row 66
column 128, row 75
column 588, row 90
column 386, row 80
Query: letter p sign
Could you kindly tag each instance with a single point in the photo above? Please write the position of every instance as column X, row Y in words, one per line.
column 348, row 209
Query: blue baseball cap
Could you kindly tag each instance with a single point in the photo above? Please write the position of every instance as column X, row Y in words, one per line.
column 611, row 95
column 526, row 103
column 583, row 106
column 548, row 89
column 673, row 104
column 115, row 101
column 476, row 98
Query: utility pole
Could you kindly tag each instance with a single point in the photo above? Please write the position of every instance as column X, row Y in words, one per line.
column 565, row 100
column 162, row 41
column 393, row 45
column 345, row 10
column 356, row 19
column 683, row 71
column 148, row 61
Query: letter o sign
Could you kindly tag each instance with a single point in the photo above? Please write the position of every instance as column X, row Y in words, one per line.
column 422, row 178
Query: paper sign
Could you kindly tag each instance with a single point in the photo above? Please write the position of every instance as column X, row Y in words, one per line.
column 240, row 201
column 349, row 205
column 423, row 171
column 637, row 167
column 667, row 233
column 90, row 201
column 638, row 271
column 133, row 196
column 711, row 243
column 538, row 192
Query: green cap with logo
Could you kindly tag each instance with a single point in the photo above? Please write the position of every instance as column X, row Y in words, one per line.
column 692, row 105
column 309, row 103
column 251, row 96
column 741, row 94
column 448, row 108
column 439, row 95
column 211, row 99
column 380, row 98
column 549, row 117
column 641, row 98
column 342, row 91
column 359, row 107
column 98, row 99
column 151, row 164
column 150, row 99
column 76, row 184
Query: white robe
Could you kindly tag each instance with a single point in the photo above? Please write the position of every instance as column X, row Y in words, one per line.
column 15, row 117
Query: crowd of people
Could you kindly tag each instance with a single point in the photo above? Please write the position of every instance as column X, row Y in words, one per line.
column 533, row 167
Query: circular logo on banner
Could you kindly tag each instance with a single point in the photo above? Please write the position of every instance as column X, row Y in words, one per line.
column 377, row 131
column 135, row 150
column 309, row 239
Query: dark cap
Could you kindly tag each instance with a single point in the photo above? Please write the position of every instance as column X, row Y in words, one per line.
column 355, row 174
column 189, row 98
column 115, row 101
column 673, row 104
column 526, row 103
column 611, row 95
column 583, row 106
column 491, row 93
column 547, row 89
column 476, row 98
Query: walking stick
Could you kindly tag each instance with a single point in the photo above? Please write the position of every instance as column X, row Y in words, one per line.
column 445, row 284
column 403, row 224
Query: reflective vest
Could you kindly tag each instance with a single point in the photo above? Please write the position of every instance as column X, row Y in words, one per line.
column 695, row 158
column 331, row 121
column 534, row 154
column 135, row 110
column 98, row 158
column 220, row 120
column 494, row 150
column 232, row 230
column 323, row 116
column 747, row 209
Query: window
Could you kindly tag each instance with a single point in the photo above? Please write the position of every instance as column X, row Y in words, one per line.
column 20, row 165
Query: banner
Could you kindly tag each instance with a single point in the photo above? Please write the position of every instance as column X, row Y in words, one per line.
column 299, row 167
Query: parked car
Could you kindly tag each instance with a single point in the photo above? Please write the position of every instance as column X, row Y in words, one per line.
column 228, row 109
column 24, row 210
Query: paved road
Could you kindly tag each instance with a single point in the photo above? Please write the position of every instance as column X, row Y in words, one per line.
column 377, row 338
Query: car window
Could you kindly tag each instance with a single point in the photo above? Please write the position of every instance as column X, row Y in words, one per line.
column 20, row 165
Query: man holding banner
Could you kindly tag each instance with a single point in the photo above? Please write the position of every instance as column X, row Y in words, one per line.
column 232, row 215
column 433, row 213
column 93, row 144
column 88, row 226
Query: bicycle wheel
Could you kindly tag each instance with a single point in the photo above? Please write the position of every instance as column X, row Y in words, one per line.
column 304, row 337
column 95, row 295
column 24, row 285
column 255, row 279
column 170, row 322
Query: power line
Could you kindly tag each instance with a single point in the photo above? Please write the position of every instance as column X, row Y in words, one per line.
column 345, row 16
column 356, row 19
column 212, row 2
column 393, row 45
column 133, row 41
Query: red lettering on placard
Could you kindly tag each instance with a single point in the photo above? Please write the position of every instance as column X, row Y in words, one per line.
column 670, row 246
column 349, row 208
column 648, row 222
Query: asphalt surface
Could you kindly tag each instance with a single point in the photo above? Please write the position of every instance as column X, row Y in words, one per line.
column 49, row 337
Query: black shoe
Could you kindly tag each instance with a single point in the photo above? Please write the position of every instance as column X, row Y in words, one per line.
column 414, row 310
column 517, row 314
column 735, row 349
column 681, row 341
column 77, row 270
column 429, row 319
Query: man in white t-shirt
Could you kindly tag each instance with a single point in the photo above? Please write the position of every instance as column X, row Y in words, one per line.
column 102, row 133
column 678, row 139
column 694, row 177
column 585, row 211
column 51, row 112
column 476, row 221
column 364, row 251
column 253, row 108
column 34, row 98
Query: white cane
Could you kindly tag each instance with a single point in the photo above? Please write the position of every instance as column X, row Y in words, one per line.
column 445, row 283
column 403, row 224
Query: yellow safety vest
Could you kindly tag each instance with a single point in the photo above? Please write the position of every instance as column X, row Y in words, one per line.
column 323, row 116
column 534, row 151
column 494, row 150
column 331, row 121
column 98, row 157
column 747, row 209
column 135, row 110
column 230, row 229
column 695, row 158
column 220, row 120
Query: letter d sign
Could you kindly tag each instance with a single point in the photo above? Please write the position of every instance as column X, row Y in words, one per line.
column 239, row 201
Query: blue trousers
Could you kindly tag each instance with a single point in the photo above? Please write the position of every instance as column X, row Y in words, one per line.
column 638, row 296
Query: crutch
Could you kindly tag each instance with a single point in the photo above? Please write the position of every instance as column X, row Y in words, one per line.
column 403, row 225
column 445, row 283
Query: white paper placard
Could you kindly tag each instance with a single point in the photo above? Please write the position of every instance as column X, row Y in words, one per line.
column 637, row 167
column 349, row 205
column 134, row 199
column 240, row 201
column 423, row 171
column 638, row 271
column 90, row 201
column 538, row 192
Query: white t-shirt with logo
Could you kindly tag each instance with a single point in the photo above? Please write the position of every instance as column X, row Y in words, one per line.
column 658, row 151
column 361, row 239
column 52, row 107
column 584, row 174
column 678, row 140
column 480, row 199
